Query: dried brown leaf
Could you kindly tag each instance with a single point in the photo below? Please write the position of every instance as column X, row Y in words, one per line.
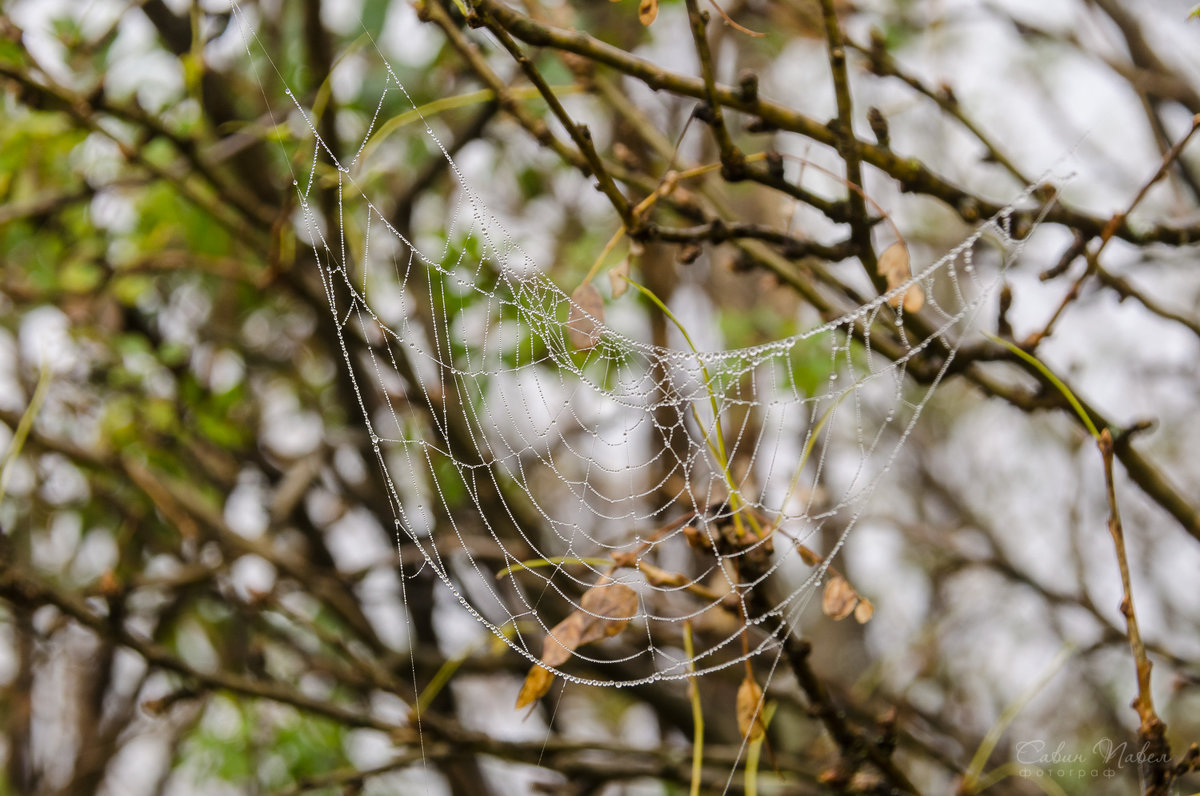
column 839, row 599
column 647, row 11
column 617, row 277
column 536, row 684
column 613, row 605
column 584, row 321
column 896, row 268
column 864, row 610
column 749, row 710
column 656, row 576
column 605, row 610
column 808, row 556
column 562, row 639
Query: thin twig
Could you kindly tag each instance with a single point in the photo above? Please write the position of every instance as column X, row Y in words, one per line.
column 847, row 144
column 1156, row 765
column 732, row 160
column 578, row 132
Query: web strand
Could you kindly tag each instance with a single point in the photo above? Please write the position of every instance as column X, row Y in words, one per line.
column 492, row 425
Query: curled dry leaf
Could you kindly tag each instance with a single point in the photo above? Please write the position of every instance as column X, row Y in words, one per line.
column 562, row 639
column 613, row 604
column 808, row 556
column 895, row 267
column 839, row 599
column 617, row 277
column 584, row 321
column 749, row 710
column 863, row 611
column 536, row 684
column 655, row 576
column 604, row 611
column 647, row 11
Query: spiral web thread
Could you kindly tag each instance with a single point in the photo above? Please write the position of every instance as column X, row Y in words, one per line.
column 523, row 469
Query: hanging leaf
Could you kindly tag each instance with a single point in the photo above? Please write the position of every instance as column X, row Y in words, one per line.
column 604, row 611
column 613, row 604
column 647, row 11
column 895, row 267
column 618, row 278
column 536, row 684
column 749, row 715
column 562, row 639
column 864, row 610
column 839, row 599
column 808, row 556
column 584, row 321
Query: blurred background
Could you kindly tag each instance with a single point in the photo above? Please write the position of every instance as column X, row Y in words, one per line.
column 200, row 586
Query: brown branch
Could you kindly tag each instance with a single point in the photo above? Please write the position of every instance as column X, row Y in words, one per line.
column 578, row 132
column 847, row 143
column 22, row 588
column 1117, row 221
column 853, row 744
column 733, row 162
column 912, row 174
column 883, row 64
column 1156, row 767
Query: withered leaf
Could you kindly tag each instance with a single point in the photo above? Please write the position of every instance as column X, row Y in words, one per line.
column 613, row 604
column 562, row 639
column 808, row 556
column 585, row 317
column 864, row 610
column 617, row 278
column 839, row 599
column 605, row 610
column 536, row 684
column 647, row 11
column 749, row 710
column 895, row 267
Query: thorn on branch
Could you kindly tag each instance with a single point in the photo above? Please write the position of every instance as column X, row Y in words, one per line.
column 704, row 112
column 760, row 126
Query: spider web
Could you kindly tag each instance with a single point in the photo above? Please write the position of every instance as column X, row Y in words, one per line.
column 546, row 464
